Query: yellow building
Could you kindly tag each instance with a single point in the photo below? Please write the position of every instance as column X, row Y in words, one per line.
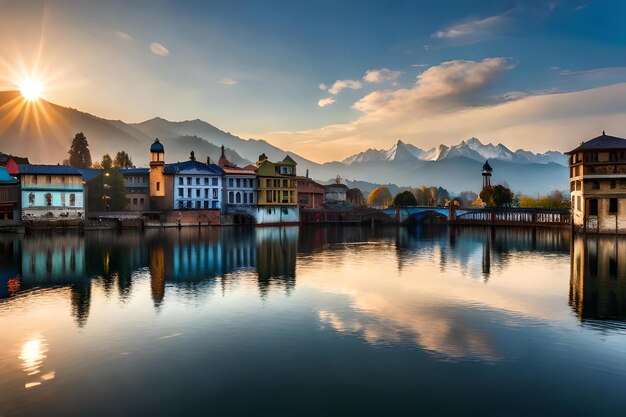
column 277, row 198
column 598, row 184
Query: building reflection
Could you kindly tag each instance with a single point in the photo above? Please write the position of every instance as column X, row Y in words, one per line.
column 598, row 280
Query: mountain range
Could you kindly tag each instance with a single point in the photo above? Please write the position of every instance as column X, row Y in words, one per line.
column 43, row 131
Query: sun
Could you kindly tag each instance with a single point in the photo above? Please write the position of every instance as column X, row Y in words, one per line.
column 31, row 90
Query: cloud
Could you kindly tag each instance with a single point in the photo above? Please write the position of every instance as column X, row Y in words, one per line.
column 594, row 72
column 326, row 102
column 476, row 30
column 123, row 35
column 419, row 65
column 159, row 49
column 323, row 87
column 343, row 84
column 228, row 81
column 380, row 75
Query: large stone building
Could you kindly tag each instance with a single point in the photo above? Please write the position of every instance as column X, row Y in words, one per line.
column 335, row 194
column 310, row 193
column 598, row 184
column 239, row 183
column 51, row 191
column 277, row 198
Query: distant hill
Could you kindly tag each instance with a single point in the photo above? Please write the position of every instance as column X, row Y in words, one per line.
column 44, row 136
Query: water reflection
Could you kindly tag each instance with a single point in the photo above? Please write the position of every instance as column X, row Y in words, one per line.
column 32, row 355
column 598, row 283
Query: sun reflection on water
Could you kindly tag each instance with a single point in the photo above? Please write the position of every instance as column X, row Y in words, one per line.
column 32, row 354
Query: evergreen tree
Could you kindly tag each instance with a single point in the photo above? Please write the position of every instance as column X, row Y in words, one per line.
column 80, row 156
column 404, row 199
column 123, row 160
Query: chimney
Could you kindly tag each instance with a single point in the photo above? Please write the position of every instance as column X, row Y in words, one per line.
column 208, row 160
column 307, row 173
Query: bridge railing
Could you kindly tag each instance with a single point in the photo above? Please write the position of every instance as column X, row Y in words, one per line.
column 514, row 216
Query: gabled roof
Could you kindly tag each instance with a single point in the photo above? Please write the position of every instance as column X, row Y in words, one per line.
column 48, row 170
column 192, row 165
column 601, row 142
column 5, row 178
column 289, row 161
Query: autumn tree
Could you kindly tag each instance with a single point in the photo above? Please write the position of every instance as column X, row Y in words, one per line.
column 80, row 156
column 379, row 197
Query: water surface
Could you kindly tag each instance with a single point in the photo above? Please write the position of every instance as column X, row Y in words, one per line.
column 312, row 321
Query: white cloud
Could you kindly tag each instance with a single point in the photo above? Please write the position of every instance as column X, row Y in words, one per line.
column 380, row 75
column 419, row 65
column 159, row 49
column 228, row 81
column 476, row 30
column 323, row 87
column 343, row 84
column 326, row 102
column 123, row 35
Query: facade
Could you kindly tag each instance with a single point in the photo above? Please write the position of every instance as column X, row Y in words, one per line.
column 51, row 191
column 354, row 196
column 598, row 184
column 189, row 185
column 137, row 182
column 240, row 186
column 277, row 196
column 335, row 193
column 310, row 193
column 9, row 196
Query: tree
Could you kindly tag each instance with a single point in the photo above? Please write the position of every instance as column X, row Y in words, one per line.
column 379, row 197
column 497, row 196
column 80, row 156
column 108, row 191
column 404, row 199
column 107, row 162
column 123, row 160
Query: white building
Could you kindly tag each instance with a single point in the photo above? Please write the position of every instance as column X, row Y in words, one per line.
column 196, row 185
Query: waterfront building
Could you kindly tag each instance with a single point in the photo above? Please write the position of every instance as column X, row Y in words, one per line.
column 239, row 183
column 310, row 193
column 355, row 197
column 487, row 170
column 9, row 196
column 51, row 191
column 189, row 185
column 137, row 183
column 335, row 193
column 598, row 184
column 277, row 197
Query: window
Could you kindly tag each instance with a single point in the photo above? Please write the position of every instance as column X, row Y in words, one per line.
column 72, row 200
column 180, row 192
column 593, row 206
column 197, row 181
column 158, row 186
column 134, row 201
column 613, row 205
column 214, row 182
column 251, row 199
column 230, row 183
column 238, row 182
column 245, row 182
column 130, row 180
column 231, row 198
column 285, row 196
column 31, row 199
column 180, row 181
column 188, row 180
column 268, row 197
column 578, row 203
column 245, row 198
column 206, row 181
column 48, row 198
column 207, row 204
column 612, row 184
column 268, row 183
column 206, row 193
column 238, row 198
column 198, row 193
column 214, row 204
column 285, row 184
column 63, row 199
column 215, row 193
column 141, row 200
column 189, row 193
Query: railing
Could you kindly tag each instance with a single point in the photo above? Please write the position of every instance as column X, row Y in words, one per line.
column 515, row 217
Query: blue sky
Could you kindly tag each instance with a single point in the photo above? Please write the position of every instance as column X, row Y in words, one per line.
column 255, row 67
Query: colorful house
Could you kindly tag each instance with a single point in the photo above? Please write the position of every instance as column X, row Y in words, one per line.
column 9, row 196
column 51, row 191
column 277, row 198
column 240, row 185
column 310, row 193
column 137, row 182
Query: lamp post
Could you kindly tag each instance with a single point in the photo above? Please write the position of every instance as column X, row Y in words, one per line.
column 105, row 197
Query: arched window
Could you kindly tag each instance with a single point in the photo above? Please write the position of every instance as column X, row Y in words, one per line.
column 238, row 198
column 31, row 199
column 245, row 198
column 230, row 197
column 48, row 198
column 72, row 200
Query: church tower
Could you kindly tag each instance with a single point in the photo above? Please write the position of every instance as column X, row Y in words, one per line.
column 157, row 178
column 487, row 174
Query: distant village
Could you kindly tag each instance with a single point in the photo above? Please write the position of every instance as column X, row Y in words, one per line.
column 205, row 192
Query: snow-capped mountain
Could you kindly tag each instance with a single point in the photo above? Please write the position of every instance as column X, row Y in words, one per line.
column 472, row 148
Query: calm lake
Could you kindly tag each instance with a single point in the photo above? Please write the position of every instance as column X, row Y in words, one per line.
column 327, row 321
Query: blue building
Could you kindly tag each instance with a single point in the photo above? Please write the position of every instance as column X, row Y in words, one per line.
column 51, row 191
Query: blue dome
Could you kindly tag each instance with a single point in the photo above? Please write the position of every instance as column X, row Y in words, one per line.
column 157, row 147
column 5, row 178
